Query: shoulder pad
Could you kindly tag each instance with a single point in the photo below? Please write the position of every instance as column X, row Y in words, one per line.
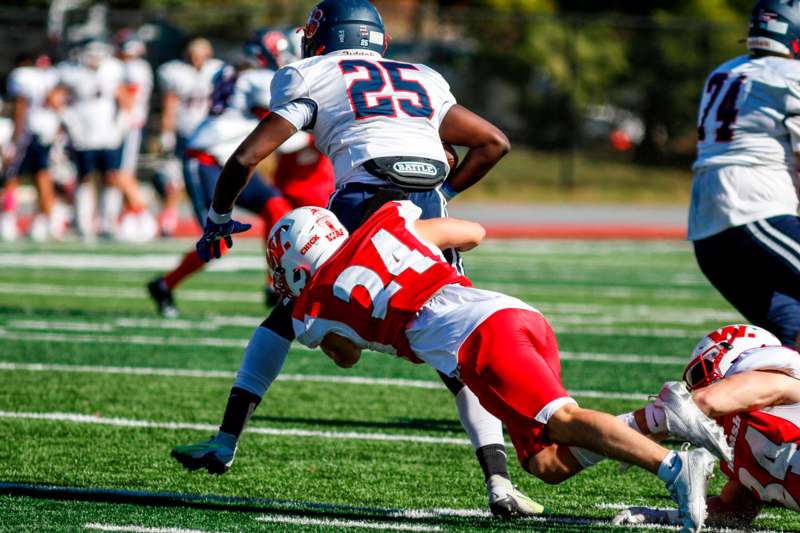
column 288, row 85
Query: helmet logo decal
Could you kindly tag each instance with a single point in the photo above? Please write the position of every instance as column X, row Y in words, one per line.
column 307, row 246
column 312, row 25
column 729, row 334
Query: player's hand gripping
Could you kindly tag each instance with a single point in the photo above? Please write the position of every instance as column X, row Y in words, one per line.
column 218, row 228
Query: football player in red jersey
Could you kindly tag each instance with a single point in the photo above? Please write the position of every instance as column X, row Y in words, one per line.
column 743, row 377
column 389, row 288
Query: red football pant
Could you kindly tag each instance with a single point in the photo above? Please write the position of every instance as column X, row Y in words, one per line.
column 511, row 363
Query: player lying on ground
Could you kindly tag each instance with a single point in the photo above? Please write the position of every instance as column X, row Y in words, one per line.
column 743, row 377
column 388, row 288
column 383, row 124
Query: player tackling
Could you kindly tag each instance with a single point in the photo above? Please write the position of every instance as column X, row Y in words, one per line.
column 382, row 123
column 389, row 288
column 743, row 377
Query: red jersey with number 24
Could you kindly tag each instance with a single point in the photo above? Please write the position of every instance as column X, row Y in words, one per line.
column 374, row 285
column 765, row 442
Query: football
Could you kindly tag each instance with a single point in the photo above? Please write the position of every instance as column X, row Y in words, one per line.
column 452, row 155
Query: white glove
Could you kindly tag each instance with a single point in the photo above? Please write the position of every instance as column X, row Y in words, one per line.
column 646, row 515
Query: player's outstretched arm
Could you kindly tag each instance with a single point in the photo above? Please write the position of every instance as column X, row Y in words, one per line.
column 451, row 233
column 755, row 389
column 486, row 143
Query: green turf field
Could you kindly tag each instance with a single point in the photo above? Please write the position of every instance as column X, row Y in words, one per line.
column 96, row 390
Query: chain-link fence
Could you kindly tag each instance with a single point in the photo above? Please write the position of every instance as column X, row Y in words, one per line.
column 607, row 86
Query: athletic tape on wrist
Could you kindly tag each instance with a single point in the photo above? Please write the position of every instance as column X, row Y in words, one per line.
column 218, row 218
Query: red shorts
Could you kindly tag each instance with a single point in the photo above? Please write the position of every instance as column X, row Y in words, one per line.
column 305, row 178
column 511, row 363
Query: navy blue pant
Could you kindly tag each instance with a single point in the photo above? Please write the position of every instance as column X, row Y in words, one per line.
column 89, row 161
column 756, row 267
column 201, row 180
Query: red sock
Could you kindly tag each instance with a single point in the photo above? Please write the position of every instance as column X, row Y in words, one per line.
column 190, row 264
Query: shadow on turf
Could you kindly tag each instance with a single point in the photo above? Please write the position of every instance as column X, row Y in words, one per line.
column 439, row 425
column 294, row 508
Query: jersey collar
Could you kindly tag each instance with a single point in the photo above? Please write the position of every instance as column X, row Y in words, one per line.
column 355, row 52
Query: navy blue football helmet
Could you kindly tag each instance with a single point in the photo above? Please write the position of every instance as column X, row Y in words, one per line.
column 775, row 27
column 343, row 25
column 269, row 48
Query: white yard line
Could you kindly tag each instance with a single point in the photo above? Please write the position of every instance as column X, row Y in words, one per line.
column 310, row 378
column 241, row 343
column 89, row 261
column 335, row 523
column 211, row 428
column 140, row 529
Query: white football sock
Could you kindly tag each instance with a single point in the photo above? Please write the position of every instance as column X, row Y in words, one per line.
column 481, row 426
column 110, row 209
column 262, row 362
column 84, row 209
column 656, row 418
column 670, row 467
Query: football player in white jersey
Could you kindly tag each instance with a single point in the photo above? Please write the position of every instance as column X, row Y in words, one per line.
column 240, row 98
column 96, row 121
column 186, row 91
column 36, row 125
column 138, row 79
column 743, row 377
column 743, row 214
column 382, row 123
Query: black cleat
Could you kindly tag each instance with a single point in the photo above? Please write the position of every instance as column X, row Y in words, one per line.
column 162, row 297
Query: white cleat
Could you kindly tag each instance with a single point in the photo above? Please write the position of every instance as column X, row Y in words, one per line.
column 507, row 501
column 687, row 421
column 688, row 489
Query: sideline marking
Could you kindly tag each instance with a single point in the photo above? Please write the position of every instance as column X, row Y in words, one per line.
column 336, row 523
column 312, row 378
column 132, row 423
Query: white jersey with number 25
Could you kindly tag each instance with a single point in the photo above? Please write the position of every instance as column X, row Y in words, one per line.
column 361, row 106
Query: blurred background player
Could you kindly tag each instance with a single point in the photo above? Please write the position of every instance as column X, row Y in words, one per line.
column 331, row 93
column 743, row 377
column 137, row 78
column 240, row 99
column 744, row 199
column 185, row 99
column 29, row 85
column 98, row 117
